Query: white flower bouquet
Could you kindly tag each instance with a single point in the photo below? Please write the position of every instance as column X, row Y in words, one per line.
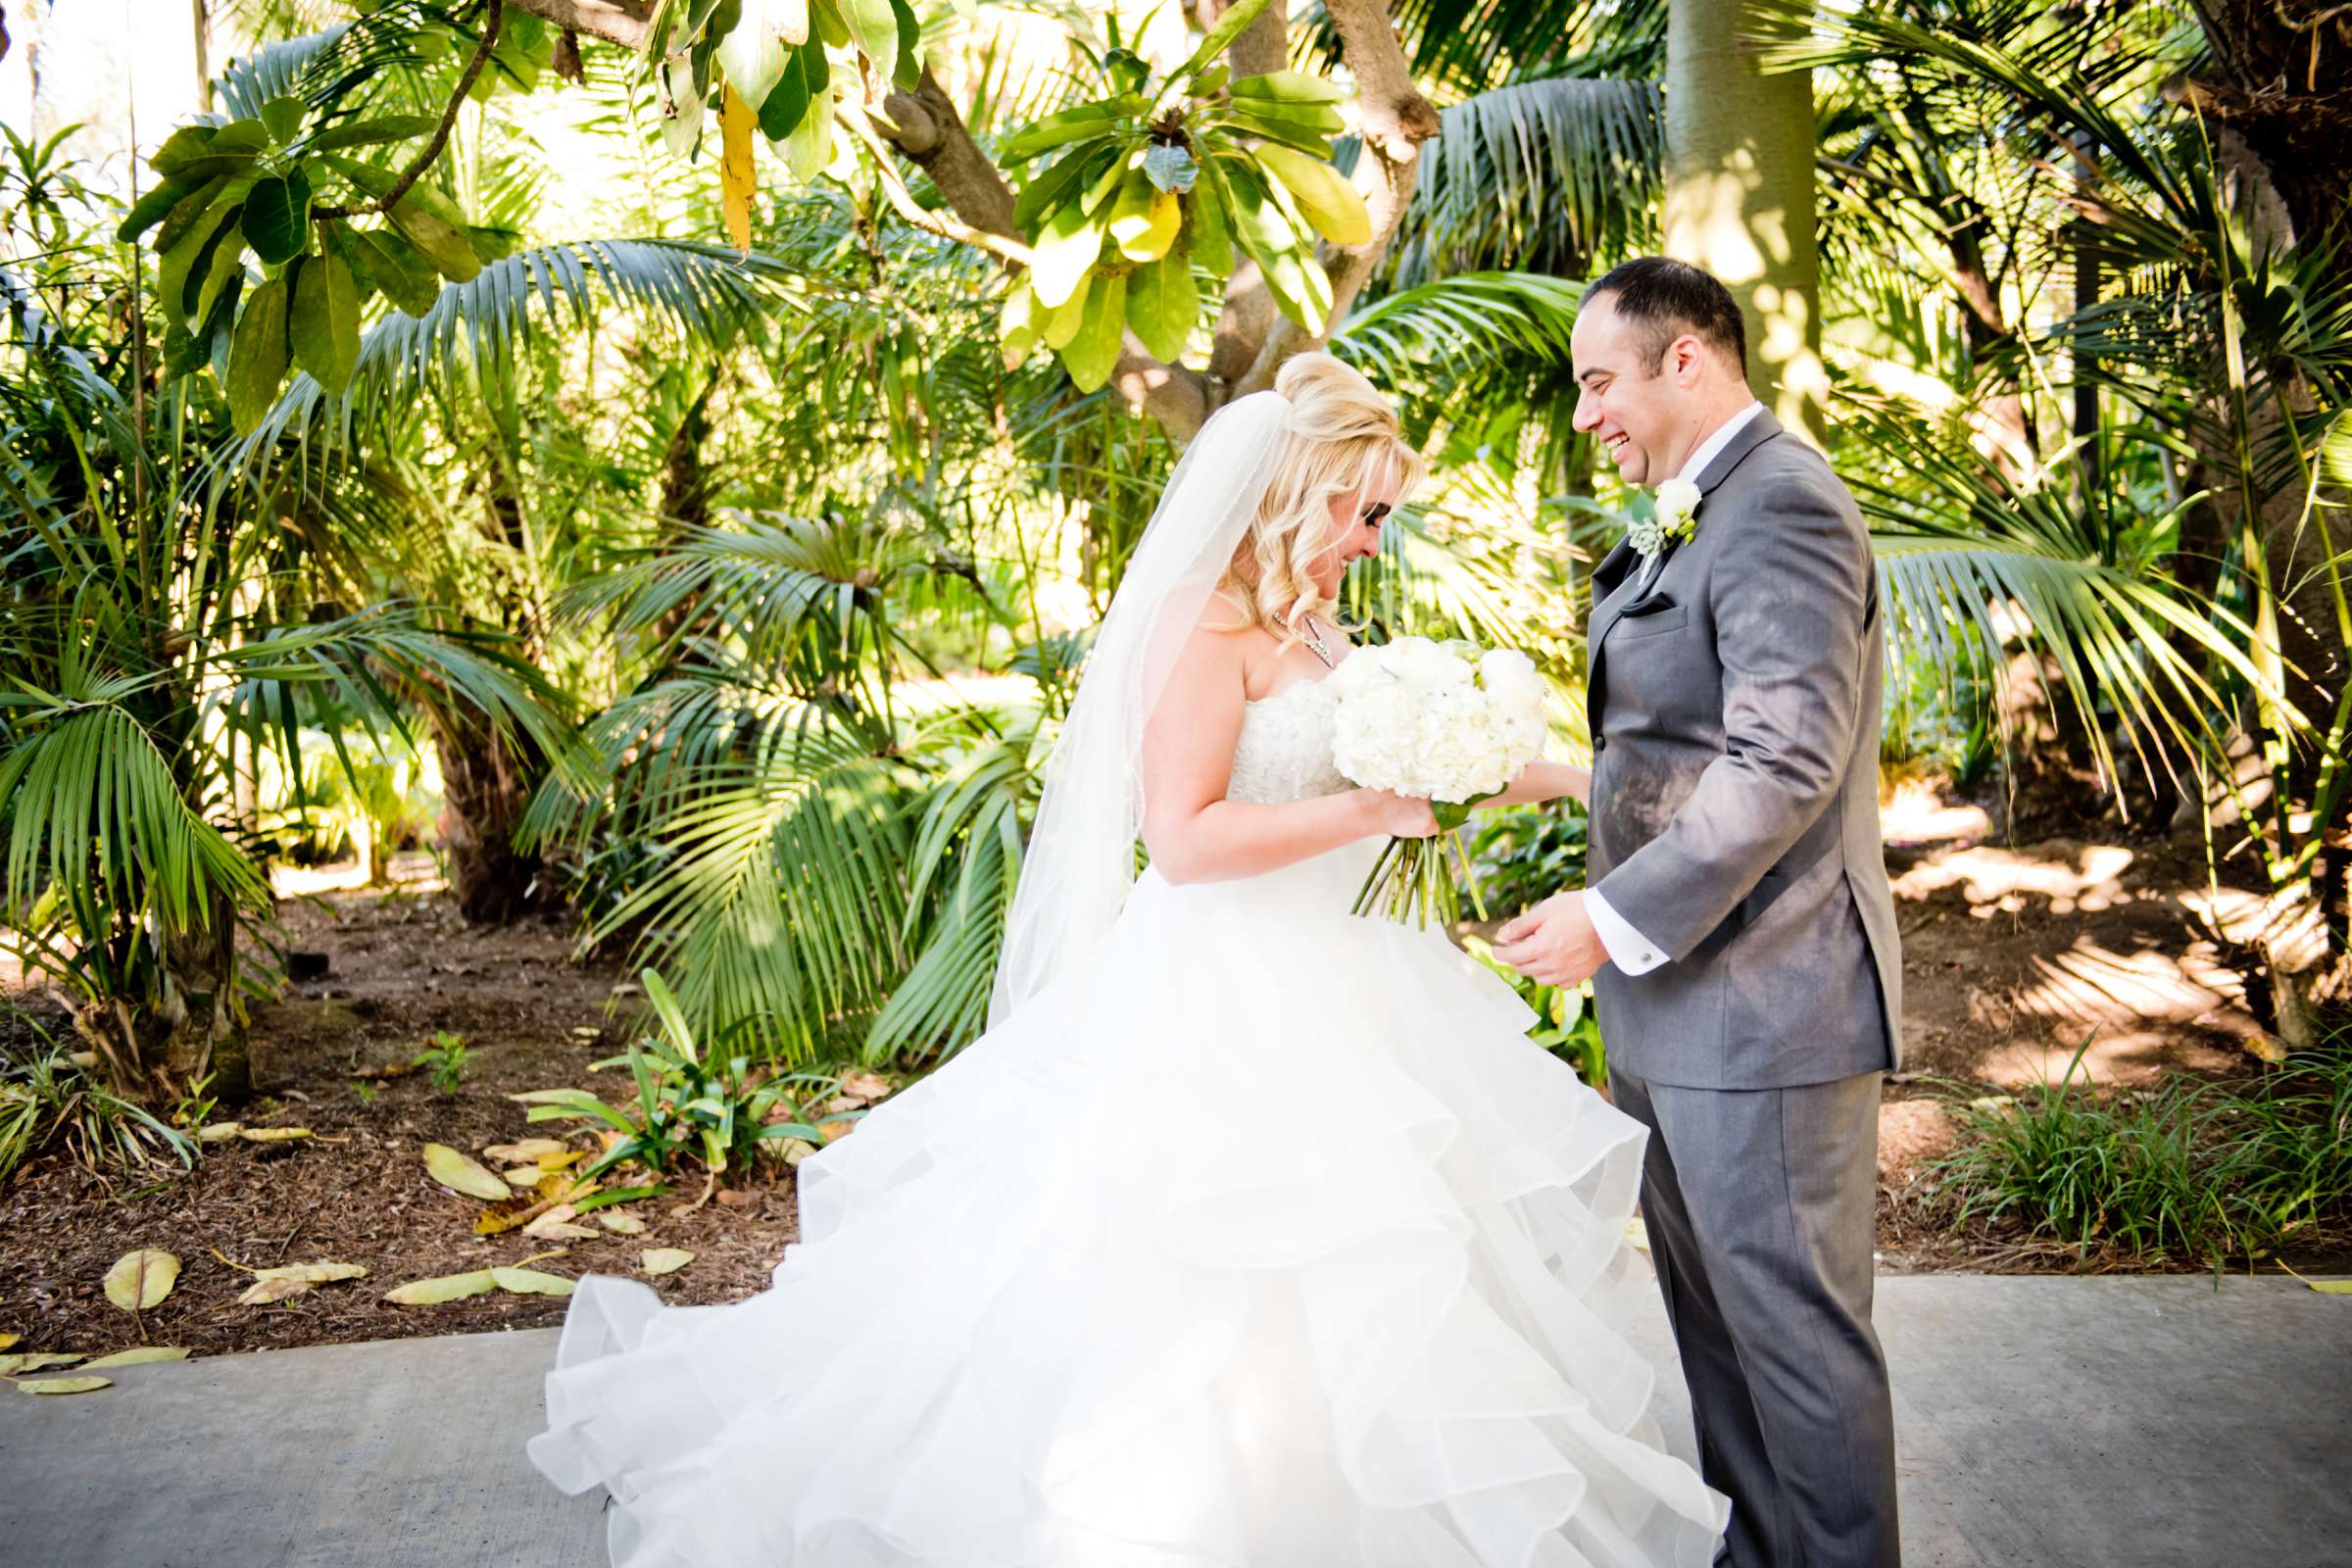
column 1445, row 721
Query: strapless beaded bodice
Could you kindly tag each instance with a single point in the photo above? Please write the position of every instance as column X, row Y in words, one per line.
column 1284, row 753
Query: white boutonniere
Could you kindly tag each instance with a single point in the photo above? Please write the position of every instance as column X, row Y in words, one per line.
column 1674, row 514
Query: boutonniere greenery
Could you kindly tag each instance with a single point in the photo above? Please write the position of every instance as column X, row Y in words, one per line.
column 1673, row 516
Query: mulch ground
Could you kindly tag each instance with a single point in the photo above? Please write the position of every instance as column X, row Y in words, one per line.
column 1982, row 928
column 402, row 969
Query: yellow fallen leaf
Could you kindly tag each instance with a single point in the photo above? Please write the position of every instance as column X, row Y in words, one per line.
column 586, row 1031
column 555, row 1216
column 36, row 1361
column 63, row 1384
column 313, row 1273
column 140, row 1278
column 670, row 1259
column 8, row 1341
column 272, row 1135
column 442, row 1287
column 620, row 1224
column 461, row 1174
column 532, row 1149
column 520, row 1175
column 796, row 1150
column 530, row 1282
column 264, row 1293
column 219, row 1132
column 138, row 1355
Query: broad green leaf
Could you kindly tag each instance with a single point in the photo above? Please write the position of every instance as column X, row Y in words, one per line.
column 62, row 1385
column 1290, row 88
column 1064, row 253
column 1170, row 166
column 154, row 207
column 1101, row 118
column 682, row 119
column 427, row 218
column 1062, row 321
column 1164, row 304
column 188, row 246
column 191, row 211
column 1324, row 196
column 257, row 363
column 391, row 264
column 283, row 117
column 1143, row 219
column 140, row 1355
column 1018, row 324
column 1229, row 26
column 462, row 1174
column 1048, row 189
column 753, row 53
column 1207, row 224
column 809, row 147
column 907, row 74
column 140, row 1280
column 248, row 135
column 1095, row 351
column 277, row 216
column 781, row 113
column 666, row 1260
column 442, row 1289
column 530, row 1282
column 824, row 16
column 228, row 269
column 371, row 133
column 184, row 147
column 874, row 26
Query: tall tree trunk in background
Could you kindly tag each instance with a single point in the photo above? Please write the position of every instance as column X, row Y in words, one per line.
column 203, row 23
column 1739, row 194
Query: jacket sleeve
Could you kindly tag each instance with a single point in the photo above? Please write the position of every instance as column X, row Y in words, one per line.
column 1789, row 591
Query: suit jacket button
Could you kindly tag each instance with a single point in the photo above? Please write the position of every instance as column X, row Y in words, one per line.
column 1600, row 744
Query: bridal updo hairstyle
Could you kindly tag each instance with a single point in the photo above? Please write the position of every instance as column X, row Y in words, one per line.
column 1345, row 440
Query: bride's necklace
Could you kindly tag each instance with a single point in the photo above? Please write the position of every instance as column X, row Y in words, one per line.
column 1317, row 646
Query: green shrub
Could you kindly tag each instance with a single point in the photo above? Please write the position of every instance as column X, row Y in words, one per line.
column 2187, row 1169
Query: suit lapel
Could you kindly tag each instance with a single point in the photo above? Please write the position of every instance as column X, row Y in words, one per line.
column 1616, row 583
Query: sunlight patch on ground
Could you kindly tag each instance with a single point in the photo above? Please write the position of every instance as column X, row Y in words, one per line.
column 1996, row 879
column 1915, row 815
column 2131, row 1006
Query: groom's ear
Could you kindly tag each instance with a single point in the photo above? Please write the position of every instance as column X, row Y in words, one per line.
column 1686, row 360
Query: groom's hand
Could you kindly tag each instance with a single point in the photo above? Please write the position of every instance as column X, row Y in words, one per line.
column 1554, row 943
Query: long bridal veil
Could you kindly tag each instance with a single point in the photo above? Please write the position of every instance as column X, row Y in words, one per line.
column 1081, row 859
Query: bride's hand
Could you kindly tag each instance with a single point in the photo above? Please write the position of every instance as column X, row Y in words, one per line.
column 1403, row 816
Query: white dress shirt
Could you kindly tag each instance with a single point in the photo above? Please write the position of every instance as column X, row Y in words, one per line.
column 1629, row 950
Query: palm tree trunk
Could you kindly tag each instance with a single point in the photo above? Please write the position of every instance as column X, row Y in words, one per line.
column 1739, row 193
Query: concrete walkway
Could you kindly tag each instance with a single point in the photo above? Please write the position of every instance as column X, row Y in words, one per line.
column 2071, row 1423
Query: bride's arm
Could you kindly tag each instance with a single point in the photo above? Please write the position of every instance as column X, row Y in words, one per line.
column 1194, row 832
column 1545, row 781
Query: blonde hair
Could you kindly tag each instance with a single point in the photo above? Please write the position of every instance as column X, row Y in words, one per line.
column 1344, row 439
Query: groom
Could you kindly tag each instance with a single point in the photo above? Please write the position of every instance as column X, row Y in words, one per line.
column 1739, row 923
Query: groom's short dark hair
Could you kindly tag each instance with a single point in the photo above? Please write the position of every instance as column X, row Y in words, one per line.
column 1663, row 299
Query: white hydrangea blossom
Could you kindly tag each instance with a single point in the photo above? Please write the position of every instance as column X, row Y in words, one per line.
column 1443, row 721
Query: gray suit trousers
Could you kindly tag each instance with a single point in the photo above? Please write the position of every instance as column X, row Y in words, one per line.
column 1759, row 1204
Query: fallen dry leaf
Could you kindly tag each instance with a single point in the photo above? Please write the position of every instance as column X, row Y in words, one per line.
column 219, row 1132
column 866, row 1085
column 62, row 1385
column 531, row 1150
column 139, row 1279
column 321, row 1273
column 442, row 1287
column 272, row 1135
column 264, row 1293
column 138, row 1355
column 8, row 1341
column 36, row 1361
column 670, row 1259
column 462, row 1174
column 622, row 1224
column 530, row 1282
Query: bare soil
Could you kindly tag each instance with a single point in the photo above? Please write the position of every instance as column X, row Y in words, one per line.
column 2015, row 955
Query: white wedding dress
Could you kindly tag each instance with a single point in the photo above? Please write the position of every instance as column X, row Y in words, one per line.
column 1261, row 1239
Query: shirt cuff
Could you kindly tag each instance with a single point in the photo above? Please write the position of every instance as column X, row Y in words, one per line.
column 1629, row 950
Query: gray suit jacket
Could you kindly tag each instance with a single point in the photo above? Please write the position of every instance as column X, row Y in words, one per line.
column 1735, row 703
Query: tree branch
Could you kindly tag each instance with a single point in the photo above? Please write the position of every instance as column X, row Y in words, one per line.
column 925, row 126
column 860, row 122
column 423, row 159
column 1394, row 119
column 620, row 21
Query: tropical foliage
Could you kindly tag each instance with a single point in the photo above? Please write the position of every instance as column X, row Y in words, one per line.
column 712, row 518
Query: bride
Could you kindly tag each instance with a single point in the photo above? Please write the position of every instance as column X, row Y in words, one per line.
column 1252, row 1234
